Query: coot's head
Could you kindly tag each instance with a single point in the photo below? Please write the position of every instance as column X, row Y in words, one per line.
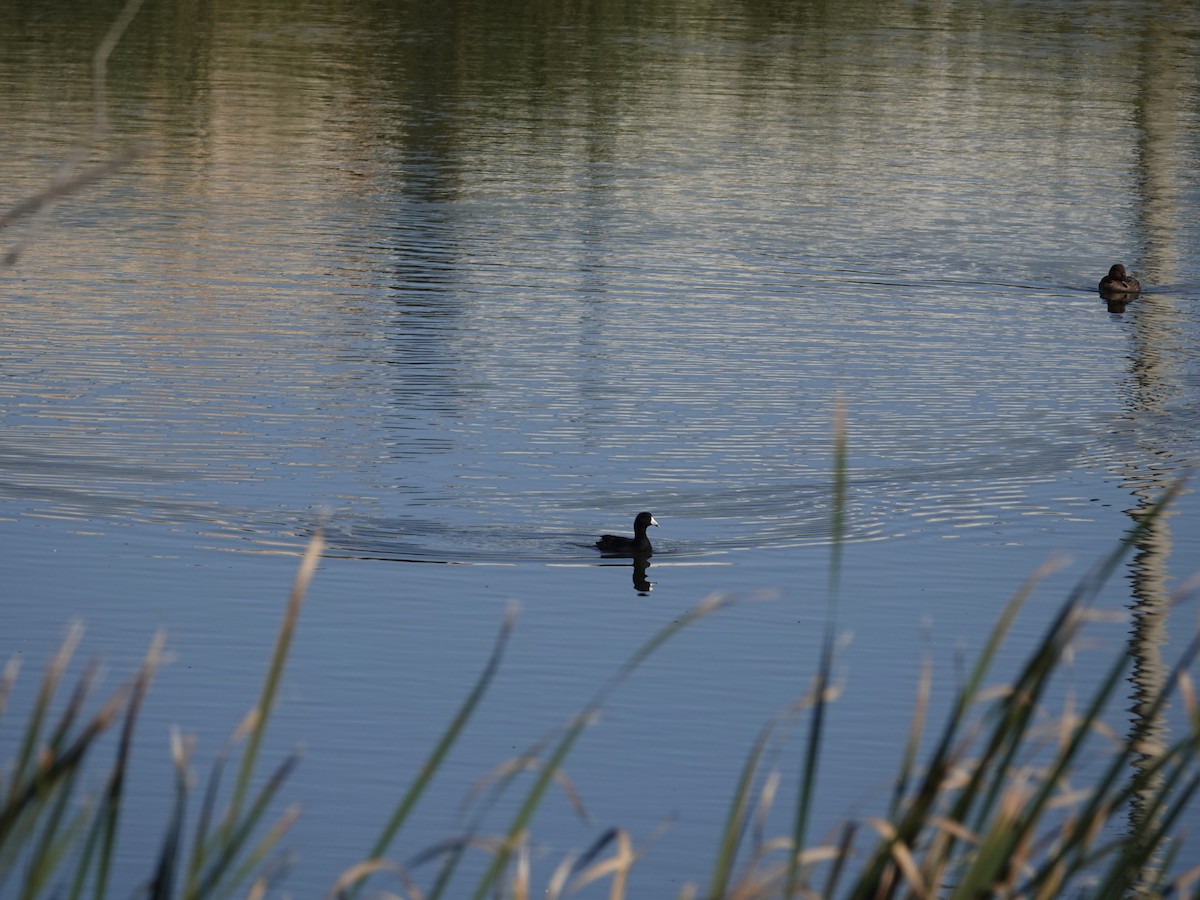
column 643, row 521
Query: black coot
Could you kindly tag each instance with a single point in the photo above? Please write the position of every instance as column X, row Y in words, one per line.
column 638, row 544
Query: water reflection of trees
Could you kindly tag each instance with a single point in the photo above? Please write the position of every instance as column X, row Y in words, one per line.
column 1155, row 457
column 1148, row 674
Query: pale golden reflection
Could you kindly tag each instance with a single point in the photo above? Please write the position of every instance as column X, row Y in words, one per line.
column 1166, row 96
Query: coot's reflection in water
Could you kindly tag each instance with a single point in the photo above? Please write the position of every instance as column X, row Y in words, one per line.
column 640, row 563
column 641, row 583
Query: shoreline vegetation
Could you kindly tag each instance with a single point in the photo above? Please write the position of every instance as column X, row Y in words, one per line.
column 993, row 808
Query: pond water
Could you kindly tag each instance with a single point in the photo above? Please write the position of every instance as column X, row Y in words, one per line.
column 477, row 282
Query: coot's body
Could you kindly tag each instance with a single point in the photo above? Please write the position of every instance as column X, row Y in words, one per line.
column 638, row 545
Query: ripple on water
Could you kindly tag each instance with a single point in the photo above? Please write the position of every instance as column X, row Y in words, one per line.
column 510, row 428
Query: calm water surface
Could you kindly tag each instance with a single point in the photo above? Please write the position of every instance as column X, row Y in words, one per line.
column 481, row 283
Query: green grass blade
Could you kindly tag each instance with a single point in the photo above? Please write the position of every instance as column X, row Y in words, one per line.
column 812, row 752
column 55, row 837
column 1105, row 795
column 266, row 702
column 841, row 469
column 111, row 807
column 453, row 849
column 808, row 772
column 705, row 608
column 839, row 860
column 434, row 761
column 28, row 797
column 71, row 713
column 1031, row 683
column 1128, row 858
column 203, row 837
column 258, row 854
column 235, row 841
column 908, row 759
column 83, row 866
column 1005, row 739
column 491, row 877
column 738, row 816
column 162, row 887
column 23, row 769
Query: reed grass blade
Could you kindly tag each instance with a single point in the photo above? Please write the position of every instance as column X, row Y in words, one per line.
column 491, row 877
column 57, row 834
column 266, row 702
column 811, row 760
column 23, row 769
column 110, row 810
column 235, row 842
column 434, row 761
column 736, row 819
column 162, row 887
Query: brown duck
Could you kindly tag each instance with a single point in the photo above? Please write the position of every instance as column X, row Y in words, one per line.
column 1117, row 283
